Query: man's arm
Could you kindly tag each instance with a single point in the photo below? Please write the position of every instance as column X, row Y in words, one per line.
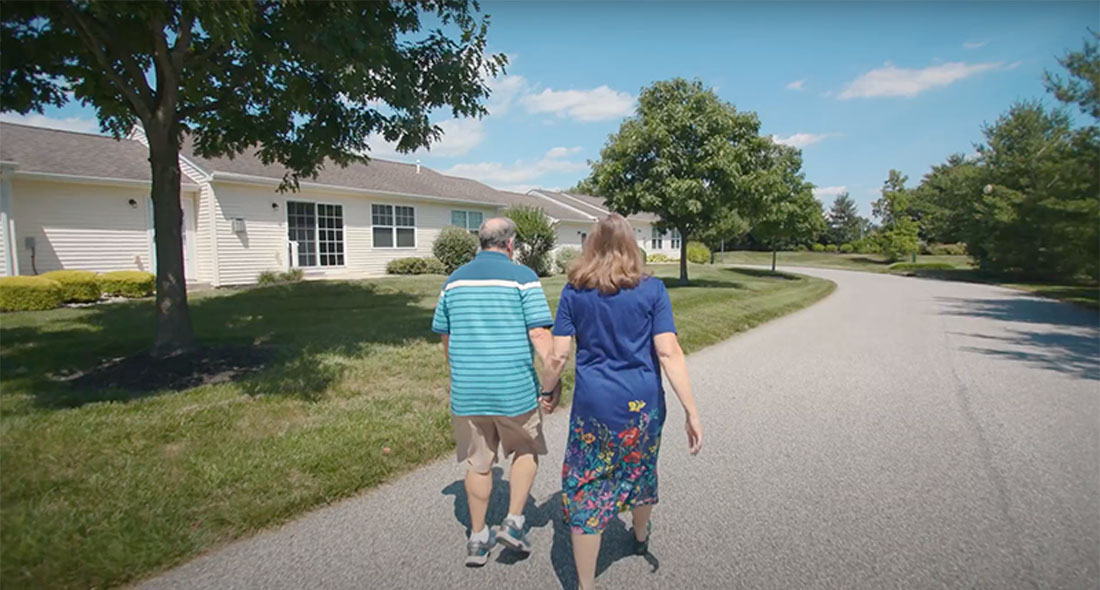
column 543, row 343
column 446, row 346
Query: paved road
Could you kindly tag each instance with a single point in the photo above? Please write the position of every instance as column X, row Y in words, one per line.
column 903, row 433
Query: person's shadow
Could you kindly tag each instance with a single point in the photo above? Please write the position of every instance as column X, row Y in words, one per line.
column 617, row 540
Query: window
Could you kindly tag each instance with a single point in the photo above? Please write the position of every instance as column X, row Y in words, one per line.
column 656, row 242
column 584, row 236
column 470, row 220
column 319, row 231
column 674, row 240
column 394, row 226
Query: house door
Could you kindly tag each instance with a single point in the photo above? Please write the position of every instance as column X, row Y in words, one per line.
column 188, row 234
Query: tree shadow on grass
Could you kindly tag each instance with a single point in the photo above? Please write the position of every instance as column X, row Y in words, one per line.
column 616, row 543
column 297, row 327
column 1065, row 338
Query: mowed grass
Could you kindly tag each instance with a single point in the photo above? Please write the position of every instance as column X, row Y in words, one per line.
column 100, row 488
column 1081, row 293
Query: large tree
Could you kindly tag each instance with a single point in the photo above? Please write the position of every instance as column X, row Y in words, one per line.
column 844, row 223
column 899, row 235
column 1082, row 87
column 687, row 157
column 303, row 84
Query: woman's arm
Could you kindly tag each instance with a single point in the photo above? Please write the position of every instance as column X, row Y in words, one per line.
column 552, row 370
column 674, row 366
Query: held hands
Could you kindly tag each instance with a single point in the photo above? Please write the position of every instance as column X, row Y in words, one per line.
column 694, row 432
column 550, row 403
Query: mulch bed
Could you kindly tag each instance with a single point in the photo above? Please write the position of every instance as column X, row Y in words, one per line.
column 145, row 373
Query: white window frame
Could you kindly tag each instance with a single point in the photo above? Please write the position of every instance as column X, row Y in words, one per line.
column 656, row 239
column 317, row 233
column 467, row 213
column 393, row 228
column 674, row 239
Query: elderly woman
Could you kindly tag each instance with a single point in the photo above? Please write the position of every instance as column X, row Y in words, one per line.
column 623, row 325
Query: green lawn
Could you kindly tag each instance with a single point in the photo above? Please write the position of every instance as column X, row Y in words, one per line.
column 102, row 487
column 1082, row 293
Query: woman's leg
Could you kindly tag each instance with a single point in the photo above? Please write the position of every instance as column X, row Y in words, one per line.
column 586, row 549
column 641, row 521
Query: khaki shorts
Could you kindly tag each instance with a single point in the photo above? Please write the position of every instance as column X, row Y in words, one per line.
column 478, row 437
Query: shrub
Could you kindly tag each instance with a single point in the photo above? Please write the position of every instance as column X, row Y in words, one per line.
column 866, row 246
column 128, row 283
column 698, row 253
column 272, row 277
column 535, row 237
column 30, row 294
column 415, row 266
column 76, row 285
column 906, row 266
column 846, row 248
column 819, row 247
column 830, row 248
column 801, row 248
column 901, row 241
column 958, row 249
column 564, row 256
column 454, row 247
column 657, row 258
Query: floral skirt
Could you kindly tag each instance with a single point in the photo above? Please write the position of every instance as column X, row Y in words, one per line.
column 610, row 468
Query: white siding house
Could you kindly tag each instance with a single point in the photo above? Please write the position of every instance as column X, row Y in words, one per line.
column 593, row 208
column 81, row 201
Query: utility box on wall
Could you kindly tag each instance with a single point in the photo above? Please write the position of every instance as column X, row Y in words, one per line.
column 238, row 225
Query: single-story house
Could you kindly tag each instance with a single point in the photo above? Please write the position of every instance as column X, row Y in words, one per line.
column 81, row 201
column 571, row 232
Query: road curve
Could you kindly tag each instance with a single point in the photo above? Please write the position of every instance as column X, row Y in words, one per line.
column 903, row 433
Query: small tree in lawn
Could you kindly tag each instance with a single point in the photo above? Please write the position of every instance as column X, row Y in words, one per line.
column 844, row 222
column 304, row 84
column 535, row 237
column 899, row 235
column 790, row 213
column 686, row 156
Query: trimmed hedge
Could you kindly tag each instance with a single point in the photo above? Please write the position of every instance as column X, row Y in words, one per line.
column 846, row 248
column 454, row 247
column 958, row 249
column 657, row 257
column 128, row 283
column 76, row 285
column 415, row 266
column 818, row 247
column 30, row 294
column 831, row 248
column 698, row 253
column 565, row 256
column 274, row 277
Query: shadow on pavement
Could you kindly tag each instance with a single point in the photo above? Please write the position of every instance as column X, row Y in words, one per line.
column 616, row 543
column 1070, row 342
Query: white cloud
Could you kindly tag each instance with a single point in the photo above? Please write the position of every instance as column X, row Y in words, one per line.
column 505, row 90
column 584, row 105
column 796, row 85
column 891, row 80
column 801, row 140
column 520, row 173
column 829, row 191
column 66, row 124
column 975, row 44
column 459, row 137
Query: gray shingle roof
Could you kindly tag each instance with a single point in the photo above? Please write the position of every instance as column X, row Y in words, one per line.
column 590, row 204
column 36, row 149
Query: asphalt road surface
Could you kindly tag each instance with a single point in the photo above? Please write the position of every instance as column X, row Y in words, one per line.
column 902, row 433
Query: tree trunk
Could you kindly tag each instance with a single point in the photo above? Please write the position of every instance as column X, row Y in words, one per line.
column 773, row 259
column 683, row 258
column 174, row 333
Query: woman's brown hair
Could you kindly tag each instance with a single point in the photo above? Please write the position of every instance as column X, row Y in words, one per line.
column 610, row 259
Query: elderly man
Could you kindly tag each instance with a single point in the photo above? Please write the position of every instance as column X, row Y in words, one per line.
column 492, row 315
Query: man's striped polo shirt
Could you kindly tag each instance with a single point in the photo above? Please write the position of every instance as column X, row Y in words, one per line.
column 487, row 306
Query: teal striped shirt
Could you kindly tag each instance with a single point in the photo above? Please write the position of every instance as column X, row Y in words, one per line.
column 487, row 307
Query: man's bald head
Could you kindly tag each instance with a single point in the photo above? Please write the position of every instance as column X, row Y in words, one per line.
column 496, row 233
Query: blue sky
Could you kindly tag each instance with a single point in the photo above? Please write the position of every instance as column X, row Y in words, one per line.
column 861, row 88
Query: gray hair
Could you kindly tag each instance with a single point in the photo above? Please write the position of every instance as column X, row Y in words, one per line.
column 496, row 232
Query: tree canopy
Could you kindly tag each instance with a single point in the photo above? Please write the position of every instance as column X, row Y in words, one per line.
column 687, row 157
column 302, row 84
column 844, row 223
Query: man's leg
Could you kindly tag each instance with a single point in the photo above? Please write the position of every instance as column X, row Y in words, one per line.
column 479, row 486
column 524, row 468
